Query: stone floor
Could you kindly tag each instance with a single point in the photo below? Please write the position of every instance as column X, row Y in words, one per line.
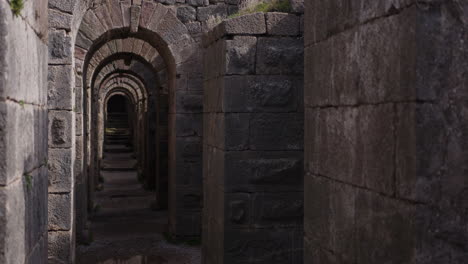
column 124, row 228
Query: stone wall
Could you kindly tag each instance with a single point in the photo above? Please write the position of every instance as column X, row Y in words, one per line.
column 385, row 132
column 23, row 133
column 253, row 140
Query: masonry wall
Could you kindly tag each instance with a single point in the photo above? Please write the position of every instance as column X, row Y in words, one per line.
column 253, row 141
column 23, row 133
column 385, row 132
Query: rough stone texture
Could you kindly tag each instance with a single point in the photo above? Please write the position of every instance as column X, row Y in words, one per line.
column 252, row 145
column 62, row 120
column 186, row 13
column 385, row 99
column 282, row 24
column 23, row 134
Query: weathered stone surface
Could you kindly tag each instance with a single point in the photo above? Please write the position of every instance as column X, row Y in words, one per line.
column 282, row 24
column 62, row 5
column 60, row 94
column 60, row 212
column 59, row 20
column 186, row 13
column 135, row 12
column 284, row 129
column 197, row 2
column 204, row 13
column 297, row 6
column 60, row 50
column 60, row 246
column 262, row 94
column 189, row 102
column 23, row 128
column 253, row 142
column 248, row 24
column 60, row 170
column 240, row 57
column 280, row 56
column 60, row 128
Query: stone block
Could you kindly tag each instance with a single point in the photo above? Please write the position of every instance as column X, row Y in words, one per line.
column 61, row 124
column 170, row 28
column 24, row 213
column 233, row 9
column 12, row 221
column 115, row 13
column 197, row 2
column 135, row 12
column 186, row 13
column 420, row 151
column 188, row 149
column 278, row 131
column 282, row 24
column 262, row 94
column 279, row 210
column 103, row 13
column 257, row 171
column 281, row 246
column 236, row 129
column 240, row 55
column 60, row 247
column 189, row 102
column 188, row 125
column 239, row 210
column 62, row 5
column 82, row 41
column 356, row 145
column 22, row 48
column 22, row 140
column 60, row 50
column 204, row 13
column 280, row 56
column 147, row 10
column 60, row 91
column 330, row 215
column 248, row 24
column 60, row 212
column 126, row 13
column 297, row 6
column 59, row 20
column 91, row 26
column 60, row 170
column 194, row 28
column 386, row 229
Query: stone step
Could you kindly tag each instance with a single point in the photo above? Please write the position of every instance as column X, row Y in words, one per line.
column 118, row 156
column 117, row 149
column 118, row 165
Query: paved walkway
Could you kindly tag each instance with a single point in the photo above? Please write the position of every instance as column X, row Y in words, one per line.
column 124, row 228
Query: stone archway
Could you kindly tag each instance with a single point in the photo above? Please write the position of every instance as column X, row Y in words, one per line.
column 156, row 27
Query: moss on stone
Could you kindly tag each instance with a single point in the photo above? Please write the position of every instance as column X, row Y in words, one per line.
column 16, row 6
column 269, row 6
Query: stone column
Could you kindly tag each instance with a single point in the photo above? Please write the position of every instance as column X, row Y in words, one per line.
column 62, row 140
column 385, row 137
column 253, row 141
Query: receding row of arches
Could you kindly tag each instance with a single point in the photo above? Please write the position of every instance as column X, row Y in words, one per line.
column 137, row 75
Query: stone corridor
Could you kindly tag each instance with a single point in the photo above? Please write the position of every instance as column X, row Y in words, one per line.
column 233, row 131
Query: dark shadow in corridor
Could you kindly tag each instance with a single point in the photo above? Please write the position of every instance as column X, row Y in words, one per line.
column 123, row 226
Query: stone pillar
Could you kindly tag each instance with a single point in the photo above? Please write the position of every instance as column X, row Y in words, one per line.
column 23, row 132
column 253, row 141
column 385, row 137
column 62, row 140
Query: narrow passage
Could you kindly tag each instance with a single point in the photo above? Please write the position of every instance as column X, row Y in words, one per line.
column 124, row 228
